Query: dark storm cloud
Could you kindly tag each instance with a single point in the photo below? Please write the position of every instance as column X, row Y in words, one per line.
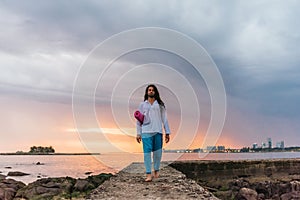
column 255, row 44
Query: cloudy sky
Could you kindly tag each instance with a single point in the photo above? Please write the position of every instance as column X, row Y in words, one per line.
column 45, row 44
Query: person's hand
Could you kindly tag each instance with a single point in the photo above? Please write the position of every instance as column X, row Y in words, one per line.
column 138, row 138
column 167, row 138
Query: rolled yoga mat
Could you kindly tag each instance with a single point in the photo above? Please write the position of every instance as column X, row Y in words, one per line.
column 139, row 116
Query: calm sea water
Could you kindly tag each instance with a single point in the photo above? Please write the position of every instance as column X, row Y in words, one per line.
column 77, row 166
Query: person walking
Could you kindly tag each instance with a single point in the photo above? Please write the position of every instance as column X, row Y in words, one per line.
column 150, row 130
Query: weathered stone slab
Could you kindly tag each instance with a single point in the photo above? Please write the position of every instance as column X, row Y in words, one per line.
column 9, row 187
column 16, row 173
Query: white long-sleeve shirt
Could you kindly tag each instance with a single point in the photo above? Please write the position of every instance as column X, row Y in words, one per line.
column 155, row 118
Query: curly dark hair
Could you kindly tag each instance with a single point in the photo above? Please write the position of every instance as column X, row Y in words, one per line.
column 156, row 95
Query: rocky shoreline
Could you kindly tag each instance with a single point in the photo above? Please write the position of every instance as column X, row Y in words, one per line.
column 246, row 179
column 50, row 188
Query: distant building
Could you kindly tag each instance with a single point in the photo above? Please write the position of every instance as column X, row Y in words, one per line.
column 254, row 146
column 221, row 148
column 215, row 149
column 280, row 145
column 211, row 148
column 263, row 145
column 269, row 143
column 198, row 150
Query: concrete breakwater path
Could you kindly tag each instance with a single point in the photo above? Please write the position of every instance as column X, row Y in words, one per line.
column 129, row 184
column 240, row 179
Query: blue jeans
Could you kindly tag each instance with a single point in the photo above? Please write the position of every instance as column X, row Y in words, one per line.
column 152, row 142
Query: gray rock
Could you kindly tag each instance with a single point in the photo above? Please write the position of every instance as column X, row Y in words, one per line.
column 16, row 173
column 284, row 188
column 239, row 183
column 11, row 183
column 9, row 187
column 295, row 186
column 268, row 171
column 286, row 196
column 46, row 188
column 2, row 177
column 7, row 193
column 60, row 188
column 261, row 196
column 81, row 185
column 247, row 194
column 262, row 188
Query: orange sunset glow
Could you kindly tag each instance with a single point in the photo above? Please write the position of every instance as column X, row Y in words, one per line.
column 226, row 78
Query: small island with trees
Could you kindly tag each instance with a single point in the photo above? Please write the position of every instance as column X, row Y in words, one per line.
column 40, row 150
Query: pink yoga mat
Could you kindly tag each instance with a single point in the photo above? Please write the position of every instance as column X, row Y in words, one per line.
column 139, row 116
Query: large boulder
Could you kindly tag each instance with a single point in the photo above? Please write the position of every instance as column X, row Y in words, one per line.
column 262, row 188
column 2, row 177
column 247, row 194
column 294, row 191
column 47, row 188
column 295, row 186
column 82, row 185
column 284, row 188
column 16, row 173
column 61, row 188
column 90, row 183
column 9, row 187
column 290, row 195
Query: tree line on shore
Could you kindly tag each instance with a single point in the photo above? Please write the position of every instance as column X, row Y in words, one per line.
column 36, row 150
column 42, row 150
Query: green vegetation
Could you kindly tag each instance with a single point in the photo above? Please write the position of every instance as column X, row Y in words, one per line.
column 41, row 150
